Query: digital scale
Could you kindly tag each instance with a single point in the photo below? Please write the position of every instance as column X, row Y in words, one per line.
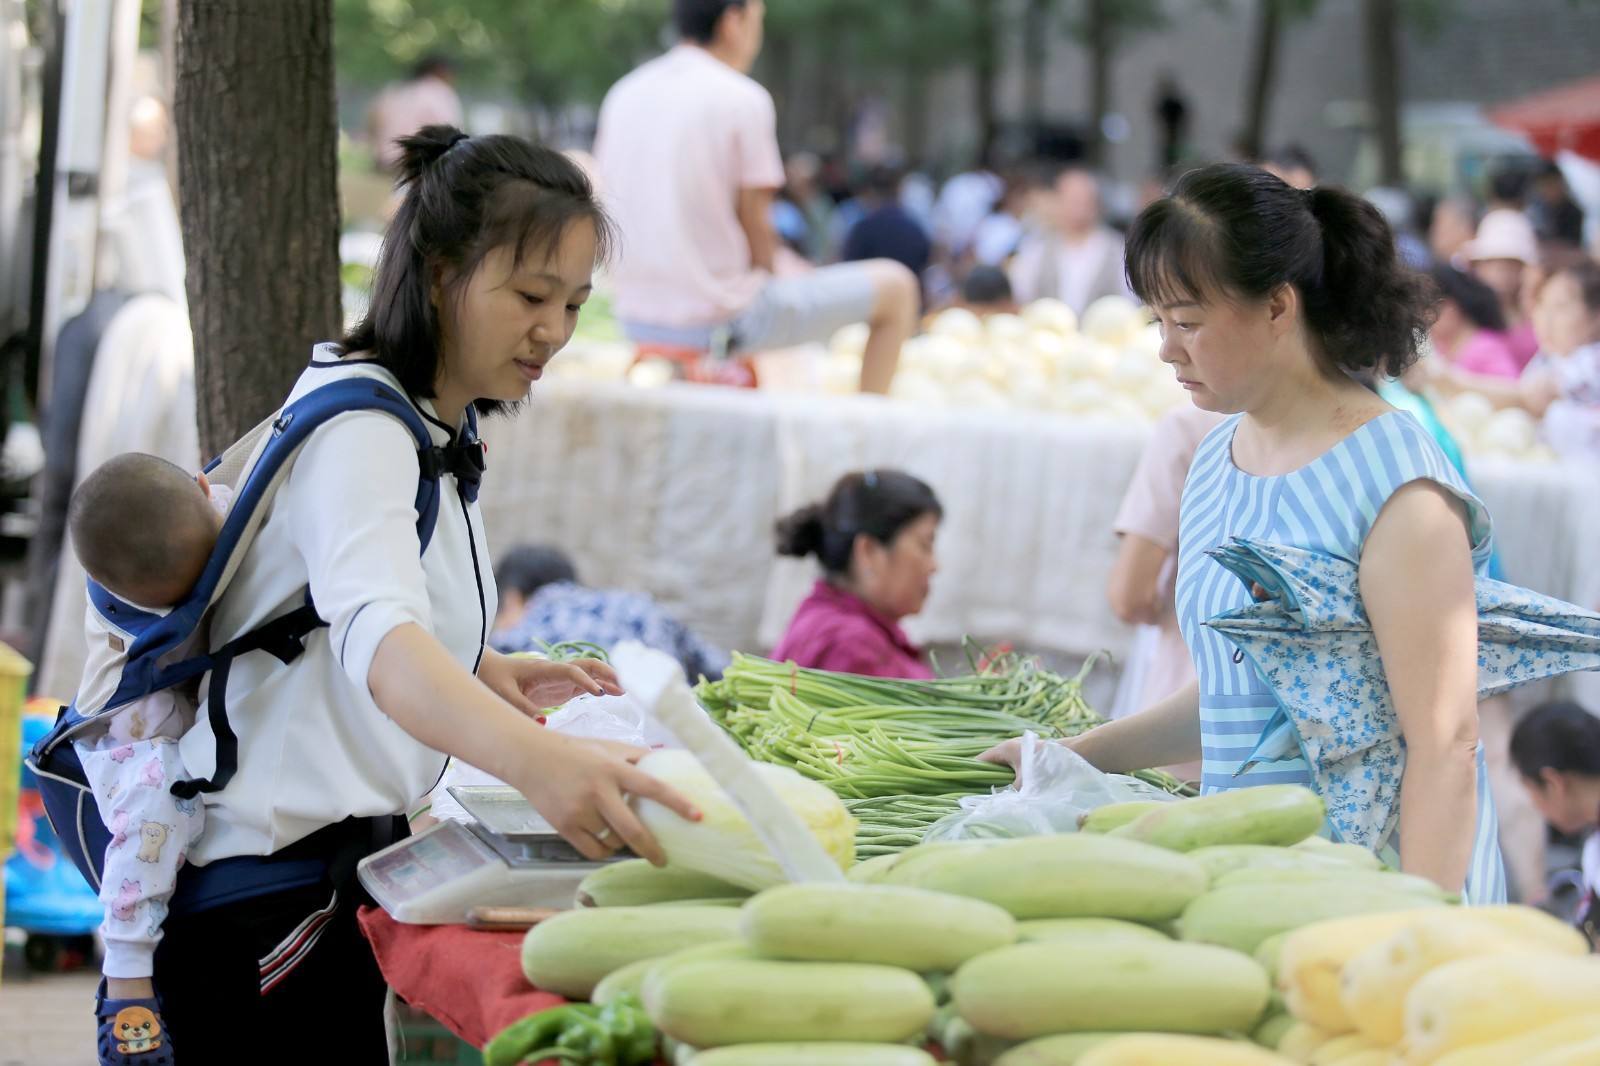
column 507, row 856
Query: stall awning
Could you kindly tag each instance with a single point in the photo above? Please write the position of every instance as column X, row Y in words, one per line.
column 1566, row 117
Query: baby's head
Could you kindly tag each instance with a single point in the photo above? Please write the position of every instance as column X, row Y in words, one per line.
column 143, row 528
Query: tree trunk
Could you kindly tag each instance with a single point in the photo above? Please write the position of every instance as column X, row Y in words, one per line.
column 1263, row 69
column 1035, row 54
column 914, row 111
column 1381, row 20
column 778, row 59
column 1098, row 41
column 985, row 72
column 258, row 199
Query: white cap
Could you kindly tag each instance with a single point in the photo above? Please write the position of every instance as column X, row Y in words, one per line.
column 1504, row 234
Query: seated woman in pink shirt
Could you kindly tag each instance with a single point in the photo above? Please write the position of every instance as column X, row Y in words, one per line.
column 874, row 537
column 1469, row 334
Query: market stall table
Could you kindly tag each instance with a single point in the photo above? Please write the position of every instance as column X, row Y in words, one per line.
column 469, row 980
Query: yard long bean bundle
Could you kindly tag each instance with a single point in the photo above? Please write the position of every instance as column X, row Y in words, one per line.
column 887, row 824
column 902, row 753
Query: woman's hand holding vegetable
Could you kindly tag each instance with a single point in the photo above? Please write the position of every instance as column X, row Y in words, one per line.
column 534, row 685
column 580, row 787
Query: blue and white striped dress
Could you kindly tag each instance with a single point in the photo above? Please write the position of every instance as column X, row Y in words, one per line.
column 1329, row 505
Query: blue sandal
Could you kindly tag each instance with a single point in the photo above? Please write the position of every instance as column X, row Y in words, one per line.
column 131, row 1033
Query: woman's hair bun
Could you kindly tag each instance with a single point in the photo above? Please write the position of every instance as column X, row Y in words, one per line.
column 801, row 533
column 422, row 149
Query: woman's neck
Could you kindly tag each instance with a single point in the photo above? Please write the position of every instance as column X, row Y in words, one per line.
column 449, row 404
column 1304, row 414
column 1591, row 794
column 844, row 583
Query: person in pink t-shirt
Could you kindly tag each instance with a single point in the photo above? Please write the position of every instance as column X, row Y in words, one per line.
column 427, row 98
column 688, row 150
column 874, row 536
column 1469, row 332
column 1141, row 587
column 1140, row 590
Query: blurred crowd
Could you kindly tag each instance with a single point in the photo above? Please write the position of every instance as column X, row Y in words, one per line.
column 1045, row 223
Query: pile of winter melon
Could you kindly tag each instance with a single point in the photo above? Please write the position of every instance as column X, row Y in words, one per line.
column 1204, row 932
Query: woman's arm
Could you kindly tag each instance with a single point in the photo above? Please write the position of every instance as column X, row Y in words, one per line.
column 1165, row 734
column 1533, row 393
column 1417, row 586
column 754, row 211
column 1134, row 590
column 351, row 515
column 580, row 788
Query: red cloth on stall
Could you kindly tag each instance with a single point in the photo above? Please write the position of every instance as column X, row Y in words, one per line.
column 470, row 981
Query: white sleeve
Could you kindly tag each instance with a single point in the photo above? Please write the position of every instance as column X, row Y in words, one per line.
column 352, row 515
column 1026, row 267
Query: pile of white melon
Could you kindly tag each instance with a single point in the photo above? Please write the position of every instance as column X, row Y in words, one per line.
column 590, row 359
column 1045, row 359
column 1484, row 432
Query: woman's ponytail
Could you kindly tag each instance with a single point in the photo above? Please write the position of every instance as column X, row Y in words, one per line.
column 1370, row 310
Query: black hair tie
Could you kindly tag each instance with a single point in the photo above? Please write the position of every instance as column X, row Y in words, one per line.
column 457, row 139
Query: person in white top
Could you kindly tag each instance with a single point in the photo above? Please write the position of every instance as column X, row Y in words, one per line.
column 485, row 268
column 688, row 153
column 964, row 202
column 1078, row 258
column 427, row 98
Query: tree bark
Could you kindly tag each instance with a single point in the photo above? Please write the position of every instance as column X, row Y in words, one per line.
column 1381, row 19
column 258, row 199
column 1035, row 54
column 914, row 110
column 778, row 61
column 986, row 72
column 1263, row 69
column 1098, row 41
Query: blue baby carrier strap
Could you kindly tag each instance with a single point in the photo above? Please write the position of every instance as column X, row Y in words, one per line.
column 63, row 784
column 284, row 637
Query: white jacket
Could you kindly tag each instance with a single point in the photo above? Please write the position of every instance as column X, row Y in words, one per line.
column 313, row 746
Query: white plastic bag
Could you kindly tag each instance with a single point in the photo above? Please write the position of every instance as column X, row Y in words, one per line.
column 619, row 718
column 1058, row 786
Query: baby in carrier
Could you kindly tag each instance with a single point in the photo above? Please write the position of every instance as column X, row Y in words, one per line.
column 143, row 529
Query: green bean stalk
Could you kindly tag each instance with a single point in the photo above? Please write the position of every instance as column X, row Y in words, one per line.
column 901, row 753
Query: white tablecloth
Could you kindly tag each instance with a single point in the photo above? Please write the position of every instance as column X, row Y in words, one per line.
column 675, row 492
